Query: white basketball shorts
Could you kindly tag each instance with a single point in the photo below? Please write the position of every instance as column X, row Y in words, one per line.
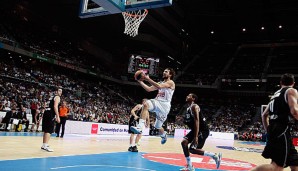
column 161, row 109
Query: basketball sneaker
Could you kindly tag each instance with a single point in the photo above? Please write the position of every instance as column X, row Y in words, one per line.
column 164, row 138
column 136, row 129
column 130, row 148
column 134, row 149
column 187, row 168
column 217, row 159
column 47, row 148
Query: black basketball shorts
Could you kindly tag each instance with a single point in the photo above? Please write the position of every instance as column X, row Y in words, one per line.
column 48, row 122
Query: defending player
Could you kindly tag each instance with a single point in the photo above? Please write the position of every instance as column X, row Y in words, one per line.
column 133, row 121
column 50, row 115
column 276, row 121
column 198, row 134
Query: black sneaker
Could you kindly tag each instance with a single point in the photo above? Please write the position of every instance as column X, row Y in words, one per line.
column 130, row 148
column 134, row 149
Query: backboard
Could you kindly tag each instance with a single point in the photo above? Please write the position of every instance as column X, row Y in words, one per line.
column 94, row 8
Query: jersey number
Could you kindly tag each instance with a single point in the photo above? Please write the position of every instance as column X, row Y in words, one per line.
column 187, row 116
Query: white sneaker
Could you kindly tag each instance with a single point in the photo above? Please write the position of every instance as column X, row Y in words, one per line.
column 164, row 138
column 47, row 148
column 217, row 159
column 136, row 130
column 187, row 168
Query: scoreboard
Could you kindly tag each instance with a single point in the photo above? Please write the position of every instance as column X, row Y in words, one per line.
column 149, row 65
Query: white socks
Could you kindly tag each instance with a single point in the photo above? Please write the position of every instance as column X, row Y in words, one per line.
column 210, row 154
column 188, row 160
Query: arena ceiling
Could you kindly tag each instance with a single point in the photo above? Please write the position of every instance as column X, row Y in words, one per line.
column 180, row 30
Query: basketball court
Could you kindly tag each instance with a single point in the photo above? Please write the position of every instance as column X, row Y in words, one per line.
column 21, row 151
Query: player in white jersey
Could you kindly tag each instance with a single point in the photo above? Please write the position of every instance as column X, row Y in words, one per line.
column 161, row 104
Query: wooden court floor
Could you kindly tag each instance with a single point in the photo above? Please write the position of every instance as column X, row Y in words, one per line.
column 110, row 153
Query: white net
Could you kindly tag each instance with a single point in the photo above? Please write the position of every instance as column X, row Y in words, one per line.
column 133, row 20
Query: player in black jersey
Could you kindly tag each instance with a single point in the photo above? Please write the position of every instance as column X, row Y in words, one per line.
column 50, row 115
column 198, row 134
column 133, row 121
column 281, row 109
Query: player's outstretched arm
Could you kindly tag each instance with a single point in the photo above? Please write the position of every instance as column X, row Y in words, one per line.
column 146, row 87
column 167, row 84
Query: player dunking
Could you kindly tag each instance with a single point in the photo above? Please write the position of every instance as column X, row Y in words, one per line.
column 198, row 134
column 48, row 120
column 279, row 147
column 160, row 105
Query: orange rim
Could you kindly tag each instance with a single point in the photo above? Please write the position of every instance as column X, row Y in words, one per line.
column 135, row 15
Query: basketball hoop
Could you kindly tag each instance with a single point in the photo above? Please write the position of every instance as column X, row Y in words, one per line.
column 133, row 20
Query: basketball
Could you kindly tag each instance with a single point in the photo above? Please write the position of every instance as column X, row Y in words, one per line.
column 139, row 75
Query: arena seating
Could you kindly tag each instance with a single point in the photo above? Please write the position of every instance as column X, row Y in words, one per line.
column 99, row 100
